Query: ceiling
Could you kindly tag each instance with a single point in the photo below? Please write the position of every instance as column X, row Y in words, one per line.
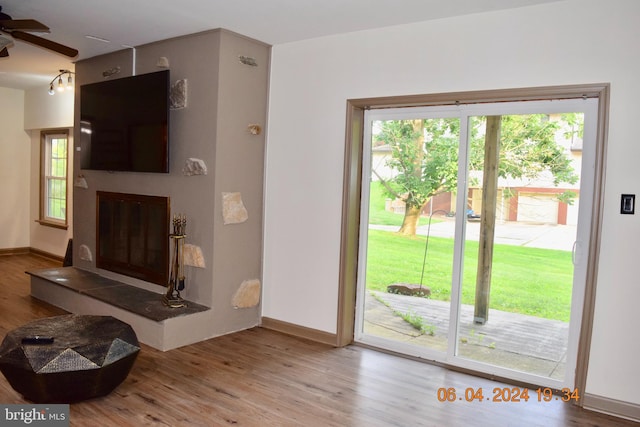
column 136, row 22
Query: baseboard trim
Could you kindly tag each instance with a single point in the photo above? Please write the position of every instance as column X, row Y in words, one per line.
column 15, row 251
column 45, row 254
column 299, row 331
column 33, row 251
column 613, row 407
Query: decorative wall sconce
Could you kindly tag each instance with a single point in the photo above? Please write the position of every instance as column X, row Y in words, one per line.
column 61, row 85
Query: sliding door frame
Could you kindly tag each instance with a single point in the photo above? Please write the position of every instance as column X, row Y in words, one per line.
column 353, row 183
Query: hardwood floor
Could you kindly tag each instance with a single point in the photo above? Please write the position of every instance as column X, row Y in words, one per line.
column 263, row 378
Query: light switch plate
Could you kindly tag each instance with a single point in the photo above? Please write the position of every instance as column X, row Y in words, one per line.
column 627, row 204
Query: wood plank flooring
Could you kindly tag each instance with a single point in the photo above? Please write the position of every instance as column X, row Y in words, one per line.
column 263, row 378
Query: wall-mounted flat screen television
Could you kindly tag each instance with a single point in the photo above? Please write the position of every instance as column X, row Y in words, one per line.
column 124, row 124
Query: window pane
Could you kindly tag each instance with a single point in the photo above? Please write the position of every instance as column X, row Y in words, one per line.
column 59, row 147
column 61, row 167
column 54, row 200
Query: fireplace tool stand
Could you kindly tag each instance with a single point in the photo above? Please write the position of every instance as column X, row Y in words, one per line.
column 176, row 276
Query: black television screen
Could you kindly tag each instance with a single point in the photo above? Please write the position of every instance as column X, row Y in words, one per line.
column 124, row 124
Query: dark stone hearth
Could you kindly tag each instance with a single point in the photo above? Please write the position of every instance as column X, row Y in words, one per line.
column 408, row 289
column 69, row 358
column 131, row 298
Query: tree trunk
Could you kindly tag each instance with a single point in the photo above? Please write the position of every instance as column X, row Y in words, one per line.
column 410, row 221
column 412, row 213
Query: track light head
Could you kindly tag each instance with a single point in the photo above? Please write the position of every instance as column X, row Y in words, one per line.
column 60, row 85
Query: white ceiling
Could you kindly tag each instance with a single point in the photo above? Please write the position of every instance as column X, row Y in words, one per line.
column 137, row 22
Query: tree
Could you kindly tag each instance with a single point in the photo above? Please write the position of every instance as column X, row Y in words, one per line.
column 425, row 155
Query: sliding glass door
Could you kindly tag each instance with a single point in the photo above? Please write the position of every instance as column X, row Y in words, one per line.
column 474, row 224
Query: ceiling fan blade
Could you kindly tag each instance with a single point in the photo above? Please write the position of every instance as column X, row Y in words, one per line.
column 23, row 24
column 45, row 43
column 4, row 52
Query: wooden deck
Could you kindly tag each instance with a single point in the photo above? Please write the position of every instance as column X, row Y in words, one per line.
column 527, row 343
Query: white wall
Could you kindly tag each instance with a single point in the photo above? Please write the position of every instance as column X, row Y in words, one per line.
column 43, row 111
column 24, row 114
column 570, row 42
column 14, row 171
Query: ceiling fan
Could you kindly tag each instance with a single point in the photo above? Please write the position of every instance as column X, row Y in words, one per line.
column 20, row 29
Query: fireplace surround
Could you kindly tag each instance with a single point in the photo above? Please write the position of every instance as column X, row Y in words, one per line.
column 132, row 235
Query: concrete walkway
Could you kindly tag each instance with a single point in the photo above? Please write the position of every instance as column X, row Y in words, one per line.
column 546, row 236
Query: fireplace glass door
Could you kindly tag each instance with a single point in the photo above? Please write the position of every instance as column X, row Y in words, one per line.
column 133, row 235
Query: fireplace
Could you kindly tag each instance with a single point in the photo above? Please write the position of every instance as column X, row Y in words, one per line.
column 132, row 235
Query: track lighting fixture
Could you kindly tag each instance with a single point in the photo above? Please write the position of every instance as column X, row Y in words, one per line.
column 60, row 86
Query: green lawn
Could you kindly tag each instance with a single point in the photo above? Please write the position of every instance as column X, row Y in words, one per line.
column 531, row 281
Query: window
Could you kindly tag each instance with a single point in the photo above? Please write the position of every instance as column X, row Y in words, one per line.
column 53, row 182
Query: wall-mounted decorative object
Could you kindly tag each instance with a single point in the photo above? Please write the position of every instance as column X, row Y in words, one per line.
column 178, row 95
column 163, row 62
column 110, row 72
column 233, row 210
column 254, row 129
column 80, row 182
column 194, row 166
column 247, row 60
column 85, row 253
column 247, row 295
column 193, row 256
